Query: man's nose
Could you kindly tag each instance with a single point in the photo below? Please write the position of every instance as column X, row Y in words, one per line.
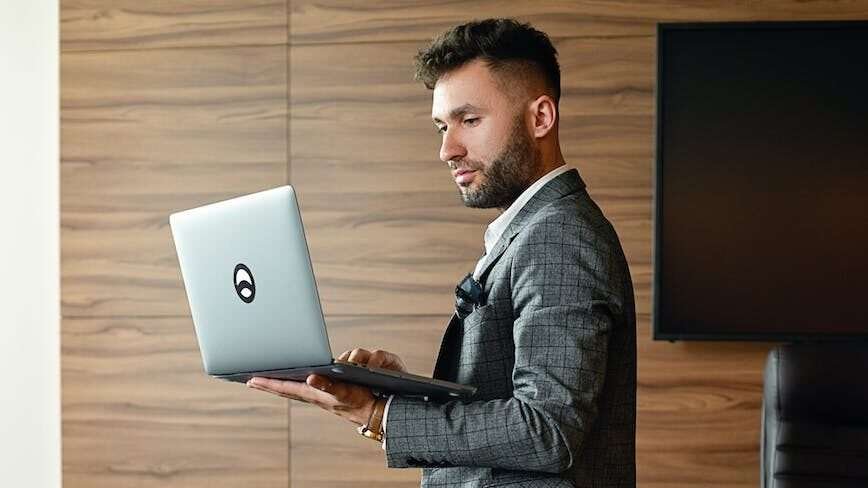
column 451, row 148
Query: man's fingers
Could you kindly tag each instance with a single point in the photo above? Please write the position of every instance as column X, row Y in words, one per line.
column 295, row 390
column 319, row 382
column 386, row 360
column 359, row 356
column 377, row 358
column 338, row 389
column 340, row 392
column 266, row 385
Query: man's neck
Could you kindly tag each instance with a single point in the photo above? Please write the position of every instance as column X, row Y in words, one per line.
column 546, row 169
column 551, row 157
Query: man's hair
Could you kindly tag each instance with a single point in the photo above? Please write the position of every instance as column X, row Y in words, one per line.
column 509, row 48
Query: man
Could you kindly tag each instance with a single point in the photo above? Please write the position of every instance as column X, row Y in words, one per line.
column 551, row 341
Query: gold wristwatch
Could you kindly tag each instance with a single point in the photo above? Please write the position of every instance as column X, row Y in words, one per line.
column 374, row 428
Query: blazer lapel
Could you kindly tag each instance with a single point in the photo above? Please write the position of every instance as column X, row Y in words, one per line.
column 443, row 368
column 564, row 184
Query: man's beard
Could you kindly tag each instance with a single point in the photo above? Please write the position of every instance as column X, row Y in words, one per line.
column 508, row 175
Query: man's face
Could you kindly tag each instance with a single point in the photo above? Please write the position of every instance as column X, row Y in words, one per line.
column 485, row 136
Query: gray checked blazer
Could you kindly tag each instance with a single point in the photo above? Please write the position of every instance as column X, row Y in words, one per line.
column 552, row 352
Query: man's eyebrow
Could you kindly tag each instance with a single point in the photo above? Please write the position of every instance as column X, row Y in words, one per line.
column 458, row 112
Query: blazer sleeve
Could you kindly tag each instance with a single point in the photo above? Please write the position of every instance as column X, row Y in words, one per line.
column 563, row 300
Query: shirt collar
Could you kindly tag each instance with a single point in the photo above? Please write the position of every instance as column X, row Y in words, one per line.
column 495, row 228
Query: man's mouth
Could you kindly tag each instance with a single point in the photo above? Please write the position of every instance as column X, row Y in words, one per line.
column 464, row 176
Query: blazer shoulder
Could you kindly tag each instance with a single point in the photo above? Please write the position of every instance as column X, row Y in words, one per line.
column 576, row 214
column 574, row 230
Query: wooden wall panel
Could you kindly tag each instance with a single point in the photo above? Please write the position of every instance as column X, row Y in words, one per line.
column 88, row 25
column 389, row 237
column 389, row 21
column 146, row 133
column 137, row 411
column 164, row 106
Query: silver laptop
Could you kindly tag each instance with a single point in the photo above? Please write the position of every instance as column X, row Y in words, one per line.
column 254, row 301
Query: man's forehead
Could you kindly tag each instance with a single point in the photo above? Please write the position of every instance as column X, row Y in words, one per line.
column 469, row 88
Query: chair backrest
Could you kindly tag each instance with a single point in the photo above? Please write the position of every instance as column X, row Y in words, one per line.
column 815, row 416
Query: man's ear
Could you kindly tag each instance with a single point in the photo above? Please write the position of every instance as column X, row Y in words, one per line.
column 544, row 114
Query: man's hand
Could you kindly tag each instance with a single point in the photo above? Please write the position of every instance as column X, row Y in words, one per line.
column 351, row 402
column 345, row 400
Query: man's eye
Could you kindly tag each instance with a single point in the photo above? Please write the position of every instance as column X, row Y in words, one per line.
column 441, row 129
column 471, row 120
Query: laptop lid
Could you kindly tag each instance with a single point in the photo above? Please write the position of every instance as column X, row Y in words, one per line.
column 250, row 284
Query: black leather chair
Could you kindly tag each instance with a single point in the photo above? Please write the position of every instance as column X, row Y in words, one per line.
column 815, row 417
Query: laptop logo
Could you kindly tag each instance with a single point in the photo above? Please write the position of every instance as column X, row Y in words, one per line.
column 245, row 287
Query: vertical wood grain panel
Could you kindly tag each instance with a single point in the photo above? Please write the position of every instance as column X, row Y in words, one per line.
column 146, row 133
column 389, row 237
column 164, row 106
column 138, row 411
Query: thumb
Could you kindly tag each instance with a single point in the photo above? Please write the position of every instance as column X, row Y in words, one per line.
column 319, row 382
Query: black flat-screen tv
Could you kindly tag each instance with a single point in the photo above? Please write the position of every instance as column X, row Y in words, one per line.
column 761, row 181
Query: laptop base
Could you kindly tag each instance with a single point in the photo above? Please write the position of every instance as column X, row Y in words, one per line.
column 382, row 381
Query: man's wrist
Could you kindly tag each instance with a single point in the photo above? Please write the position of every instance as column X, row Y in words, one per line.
column 373, row 429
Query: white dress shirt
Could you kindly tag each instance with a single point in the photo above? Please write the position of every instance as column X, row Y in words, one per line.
column 492, row 234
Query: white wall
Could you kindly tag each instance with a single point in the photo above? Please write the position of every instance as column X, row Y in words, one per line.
column 29, row 244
